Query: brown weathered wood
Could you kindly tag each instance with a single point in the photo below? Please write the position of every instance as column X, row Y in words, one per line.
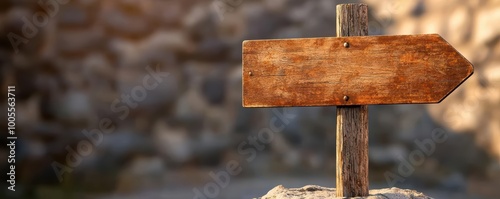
column 352, row 121
column 352, row 151
column 372, row 70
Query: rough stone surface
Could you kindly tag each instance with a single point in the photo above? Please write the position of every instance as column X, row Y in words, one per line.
column 318, row 192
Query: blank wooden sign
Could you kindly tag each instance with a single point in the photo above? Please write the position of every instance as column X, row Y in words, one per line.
column 341, row 71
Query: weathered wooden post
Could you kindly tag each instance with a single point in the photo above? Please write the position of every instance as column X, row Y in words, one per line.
column 352, row 121
column 351, row 71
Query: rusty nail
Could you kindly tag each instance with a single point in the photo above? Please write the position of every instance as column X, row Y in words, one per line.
column 346, row 98
column 250, row 73
column 346, row 44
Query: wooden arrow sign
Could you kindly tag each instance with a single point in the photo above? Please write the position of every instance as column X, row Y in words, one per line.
column 343, row 71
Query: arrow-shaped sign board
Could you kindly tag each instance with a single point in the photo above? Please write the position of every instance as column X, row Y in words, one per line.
column 341, row 71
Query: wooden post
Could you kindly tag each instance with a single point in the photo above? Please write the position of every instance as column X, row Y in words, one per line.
column 351, row 73
column 352, row 121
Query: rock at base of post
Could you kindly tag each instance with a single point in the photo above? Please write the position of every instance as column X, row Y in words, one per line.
column 313, row 191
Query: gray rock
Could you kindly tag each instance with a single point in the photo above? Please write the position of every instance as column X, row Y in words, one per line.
column 173, row 143
column 212, row 49
column 263, row 22
column 209, row 147
column 123, row 23
column 213, row 89
column 317, row 192
column 75, row 106
column 142, row 173
column 78, row 41
column 190, row 107
column 73, row 15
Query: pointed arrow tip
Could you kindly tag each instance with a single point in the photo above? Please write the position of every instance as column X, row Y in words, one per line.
column 463, row 62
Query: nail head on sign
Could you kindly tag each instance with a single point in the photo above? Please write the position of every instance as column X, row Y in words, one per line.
column 346, row 98
column 250, row 73
column 346, row 44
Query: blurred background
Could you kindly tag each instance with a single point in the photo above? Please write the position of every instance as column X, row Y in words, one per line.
column 142, row 99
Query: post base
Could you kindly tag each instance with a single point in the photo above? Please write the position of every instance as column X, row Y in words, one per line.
column 314, row 191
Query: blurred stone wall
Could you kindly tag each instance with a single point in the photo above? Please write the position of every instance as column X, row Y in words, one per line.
column 472, row 28
column 473, row 110
column 78, row 66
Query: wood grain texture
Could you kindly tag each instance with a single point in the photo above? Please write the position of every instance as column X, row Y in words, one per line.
column 409, row 69
column 352, row 121
column 352, row 151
